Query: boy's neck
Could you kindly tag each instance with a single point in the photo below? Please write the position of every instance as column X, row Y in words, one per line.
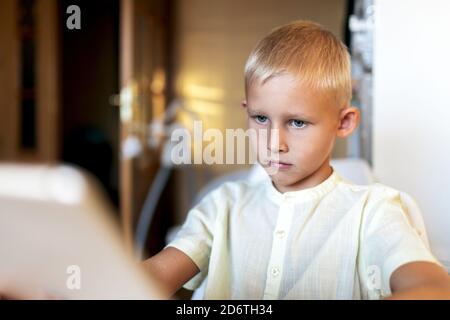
column 314, row 179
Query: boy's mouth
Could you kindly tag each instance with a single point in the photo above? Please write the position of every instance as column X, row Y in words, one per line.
column 279, row 165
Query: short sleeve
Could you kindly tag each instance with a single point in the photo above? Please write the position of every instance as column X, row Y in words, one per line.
column 390, row 240
column 196, row 235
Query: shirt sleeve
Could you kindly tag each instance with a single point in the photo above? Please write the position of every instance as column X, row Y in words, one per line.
column 196, row 235
column 390, row 240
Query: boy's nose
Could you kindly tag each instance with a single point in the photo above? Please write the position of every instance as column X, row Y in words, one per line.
column 277, row 143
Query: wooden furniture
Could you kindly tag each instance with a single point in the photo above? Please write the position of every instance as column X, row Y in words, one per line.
column 29, row 91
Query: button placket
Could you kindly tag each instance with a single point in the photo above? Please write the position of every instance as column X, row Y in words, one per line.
column 275, row 266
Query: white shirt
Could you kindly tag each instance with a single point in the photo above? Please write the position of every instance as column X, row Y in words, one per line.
column 336, row 240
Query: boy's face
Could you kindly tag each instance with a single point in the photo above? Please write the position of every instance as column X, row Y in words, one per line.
column 307, row 123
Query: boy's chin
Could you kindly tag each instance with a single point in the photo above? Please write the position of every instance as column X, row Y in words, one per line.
column 284, row 179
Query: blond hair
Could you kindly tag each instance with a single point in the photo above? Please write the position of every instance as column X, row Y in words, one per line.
column 309, row 52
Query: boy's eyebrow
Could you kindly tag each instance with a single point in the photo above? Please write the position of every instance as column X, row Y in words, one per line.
column 286, row 115
column 296, row 115
column 255, row 111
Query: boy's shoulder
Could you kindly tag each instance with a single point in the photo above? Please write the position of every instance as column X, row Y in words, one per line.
column 376, row 198
column 238, row 189
column 373, row 190
column 370, row 197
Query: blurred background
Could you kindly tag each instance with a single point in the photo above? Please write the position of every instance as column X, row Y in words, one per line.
column 106, row 94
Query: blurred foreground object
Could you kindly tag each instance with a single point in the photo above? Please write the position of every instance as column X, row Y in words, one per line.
column 56, row 234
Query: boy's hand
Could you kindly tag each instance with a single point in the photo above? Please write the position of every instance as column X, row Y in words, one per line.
column 420, row 280
column 10, row 292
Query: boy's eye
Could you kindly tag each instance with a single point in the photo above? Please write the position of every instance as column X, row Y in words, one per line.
column 261, row 119
column 298, row 124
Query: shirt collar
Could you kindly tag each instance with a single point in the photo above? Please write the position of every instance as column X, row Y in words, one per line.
column 305, row 194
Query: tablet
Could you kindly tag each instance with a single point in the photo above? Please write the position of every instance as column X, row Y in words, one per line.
column 57, row 233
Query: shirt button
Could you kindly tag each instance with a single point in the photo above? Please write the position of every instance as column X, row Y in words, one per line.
column 280, row 233
column 275, row 272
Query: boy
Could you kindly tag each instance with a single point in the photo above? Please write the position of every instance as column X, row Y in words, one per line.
column 305, row 233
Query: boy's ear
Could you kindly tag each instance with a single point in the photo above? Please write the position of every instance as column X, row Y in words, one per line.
column 348, row 121
column 244, row 103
